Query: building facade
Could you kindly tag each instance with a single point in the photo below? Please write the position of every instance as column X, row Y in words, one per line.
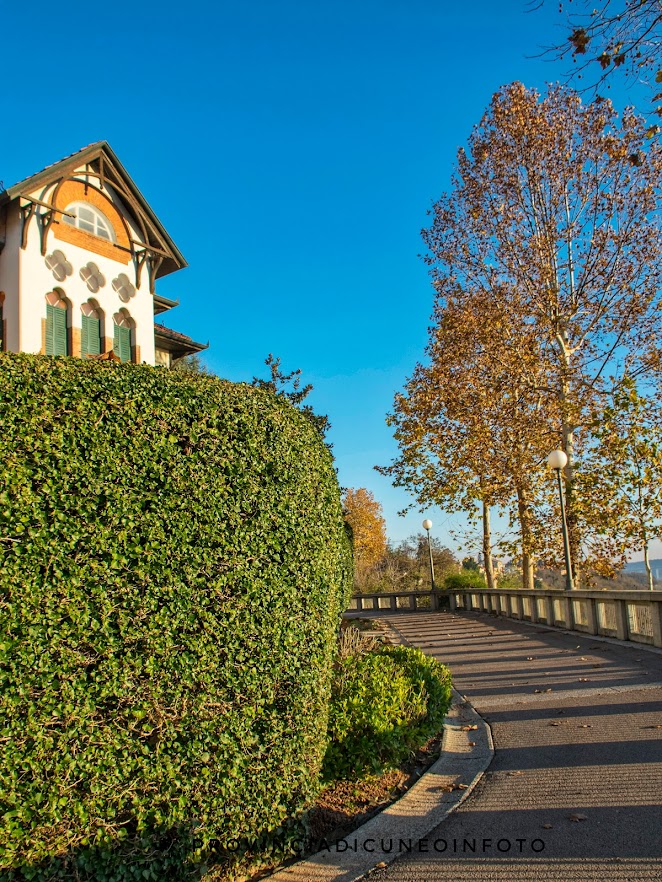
column 80, row 253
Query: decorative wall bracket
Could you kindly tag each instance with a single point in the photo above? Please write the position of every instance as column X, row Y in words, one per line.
column 44, row 220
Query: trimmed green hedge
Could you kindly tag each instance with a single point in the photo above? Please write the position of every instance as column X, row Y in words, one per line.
column 173, row 567
column 384, row 704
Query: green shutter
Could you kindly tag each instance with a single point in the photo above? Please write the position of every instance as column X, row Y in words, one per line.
column 122, row 343
column 90, row 336
column 59, row 331
column 49, row 329
column 56, row 330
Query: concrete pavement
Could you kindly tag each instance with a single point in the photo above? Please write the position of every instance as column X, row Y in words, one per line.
column 575, row 788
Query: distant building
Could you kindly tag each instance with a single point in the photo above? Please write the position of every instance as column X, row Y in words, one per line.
column 80, row 253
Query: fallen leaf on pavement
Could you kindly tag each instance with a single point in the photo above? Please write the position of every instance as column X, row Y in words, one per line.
column 547, row 827
column 472, row 744
column 585, row 726
column 576, row 817
column 469, row 728
column 380, row 865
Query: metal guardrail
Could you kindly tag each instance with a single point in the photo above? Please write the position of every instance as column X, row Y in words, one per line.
column 626, row 615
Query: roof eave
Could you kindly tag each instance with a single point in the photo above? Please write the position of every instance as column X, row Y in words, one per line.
column 71, row 163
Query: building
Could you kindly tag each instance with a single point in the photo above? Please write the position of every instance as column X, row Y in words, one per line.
column 80, row 254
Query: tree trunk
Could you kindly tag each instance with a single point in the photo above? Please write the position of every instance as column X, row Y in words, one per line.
column 487, row 548
column 526, row 532
column 647, row 564
column 572, row 520
column 568, row 432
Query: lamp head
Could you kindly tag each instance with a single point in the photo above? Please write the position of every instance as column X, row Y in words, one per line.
column 557, row 460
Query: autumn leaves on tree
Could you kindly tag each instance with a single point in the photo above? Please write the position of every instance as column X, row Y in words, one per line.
column 546, row 262
column 364, row 515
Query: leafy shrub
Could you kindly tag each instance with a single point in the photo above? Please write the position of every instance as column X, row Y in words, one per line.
column 384, row 705
column 173, row 567
column 464, row 579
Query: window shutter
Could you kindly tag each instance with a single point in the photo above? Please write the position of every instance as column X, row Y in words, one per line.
column 90, row 336
column 50, row 321
column 93, row 335
column 122, row 343
column 59, row 331
column 83, row 336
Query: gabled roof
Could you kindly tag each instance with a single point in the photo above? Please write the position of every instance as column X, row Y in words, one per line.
column 107, row 166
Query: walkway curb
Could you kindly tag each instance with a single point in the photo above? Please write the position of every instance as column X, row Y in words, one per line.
column 467, row 751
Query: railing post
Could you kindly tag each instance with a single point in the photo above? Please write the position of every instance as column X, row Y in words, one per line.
column 452, row 602
column 375, row 602
column 434, row 601
column 394, row 602
column 412, row 601
column 535, row 617
column 568, row 617
column 656, row 616
column 359, row 603
column 550, row 611
column 621, row 615
column 591, row 615
column 519, row 602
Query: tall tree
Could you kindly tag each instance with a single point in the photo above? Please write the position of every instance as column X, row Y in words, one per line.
column 553, row 218
column 364, row 515
column 475, row 422
column 615, row 35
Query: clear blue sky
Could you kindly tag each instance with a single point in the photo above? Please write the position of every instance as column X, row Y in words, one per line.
column 291, row 150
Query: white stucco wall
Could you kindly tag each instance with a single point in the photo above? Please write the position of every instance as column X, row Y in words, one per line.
column 36, row 280
column 9, row 278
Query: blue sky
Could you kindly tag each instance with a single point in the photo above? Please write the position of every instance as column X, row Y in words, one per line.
column 291, row 150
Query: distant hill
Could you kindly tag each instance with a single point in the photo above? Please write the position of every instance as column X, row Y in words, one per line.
column 632, row 578
column 637, row 566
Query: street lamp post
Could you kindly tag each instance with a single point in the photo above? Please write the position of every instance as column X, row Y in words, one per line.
column 427, row 524
column 557, row 461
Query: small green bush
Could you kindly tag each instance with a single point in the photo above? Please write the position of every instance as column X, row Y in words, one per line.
column 173, row 568
column 464, row 579
column 384, row 705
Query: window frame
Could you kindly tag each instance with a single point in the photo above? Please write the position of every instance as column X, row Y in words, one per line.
column 99, row 221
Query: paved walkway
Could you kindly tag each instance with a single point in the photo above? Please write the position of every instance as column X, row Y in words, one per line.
column 575, row 788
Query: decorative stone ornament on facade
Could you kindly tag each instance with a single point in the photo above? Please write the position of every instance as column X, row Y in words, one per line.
column 59, row 265
column 125, row 290
column 93, row 277
column 88, row 202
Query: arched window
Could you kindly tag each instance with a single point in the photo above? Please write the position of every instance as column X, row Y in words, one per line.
column 122, row 335
column 88, row 218
column 90, row 338
column 57, row 338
